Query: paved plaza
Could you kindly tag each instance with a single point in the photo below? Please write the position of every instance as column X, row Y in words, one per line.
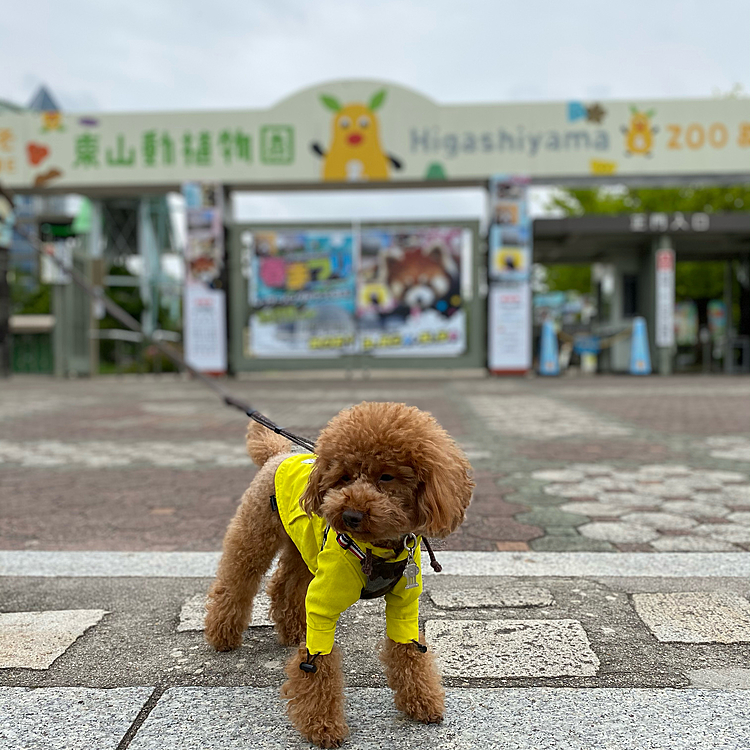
column 601, row 465
column 597, row 595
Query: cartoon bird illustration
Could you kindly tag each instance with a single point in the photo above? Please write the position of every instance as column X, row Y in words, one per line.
column 639, row 135
column 355, row 153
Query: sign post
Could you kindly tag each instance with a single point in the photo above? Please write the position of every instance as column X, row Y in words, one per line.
column 509, row 311
column 665, row 296
column 204, row 302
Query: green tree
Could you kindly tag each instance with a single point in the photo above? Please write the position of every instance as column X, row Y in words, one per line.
column 693, row 280
column 579, row 201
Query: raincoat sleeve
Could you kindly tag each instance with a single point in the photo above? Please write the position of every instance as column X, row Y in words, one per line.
column 336, row 586
column 402, row 609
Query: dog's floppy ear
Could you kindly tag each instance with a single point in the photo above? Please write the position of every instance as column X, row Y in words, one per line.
column 312, row 497
column 445, row 492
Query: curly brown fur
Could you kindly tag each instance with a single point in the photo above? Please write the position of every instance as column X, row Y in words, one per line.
column 316, row 699
column 262, row 444
column 287, row 589
column 415, row 680
column 252, row 540
column 430, row 485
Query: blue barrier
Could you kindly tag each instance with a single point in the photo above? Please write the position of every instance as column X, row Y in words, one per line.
column 549, row 363
column 640, row 358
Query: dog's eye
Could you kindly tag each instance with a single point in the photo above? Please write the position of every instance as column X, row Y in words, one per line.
column 345, row 478
column 387, row 478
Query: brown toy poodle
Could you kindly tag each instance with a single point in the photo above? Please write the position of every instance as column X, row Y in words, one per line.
column 348, row 523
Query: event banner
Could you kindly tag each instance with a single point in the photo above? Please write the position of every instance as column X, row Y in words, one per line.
column 204, row 301
column 409, row 300
column 392, row 291
column 302, row 294
column 510, row 256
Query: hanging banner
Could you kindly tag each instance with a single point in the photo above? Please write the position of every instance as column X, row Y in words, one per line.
column 510, row 257
column 302, row 294
column 409, row 300
column 665, row 260
column 204, row 300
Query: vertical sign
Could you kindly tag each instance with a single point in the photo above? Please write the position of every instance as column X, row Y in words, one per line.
column 204, row 301
column 509, row 311
column 510, row 339
column 665, row 260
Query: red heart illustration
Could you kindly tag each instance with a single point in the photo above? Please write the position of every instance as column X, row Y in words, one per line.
column 37, row 153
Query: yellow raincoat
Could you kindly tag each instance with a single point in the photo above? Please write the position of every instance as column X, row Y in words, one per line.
column 339, row 580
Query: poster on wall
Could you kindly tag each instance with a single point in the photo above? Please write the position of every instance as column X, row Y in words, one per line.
column 509, row 327
column 204, row 300
column 510, row 253
column 302, row 294
column 205, row 329
column 510, row 257
column 409, row 299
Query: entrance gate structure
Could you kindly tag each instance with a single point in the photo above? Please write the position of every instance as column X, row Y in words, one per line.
column 350, row 134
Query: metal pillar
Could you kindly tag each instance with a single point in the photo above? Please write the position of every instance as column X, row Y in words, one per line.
column 729, row 329
column 149, row 280
column 96, row 268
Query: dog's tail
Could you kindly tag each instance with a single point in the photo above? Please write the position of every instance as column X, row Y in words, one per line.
column 262, row 444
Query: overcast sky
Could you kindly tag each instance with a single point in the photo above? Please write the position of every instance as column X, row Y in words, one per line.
column 118, row 55
column 191, row 54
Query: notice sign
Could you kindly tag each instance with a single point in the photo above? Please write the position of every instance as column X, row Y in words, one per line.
column 510, row 256
column 665, row 262
column 204, row 325
column 204, row 308
column 510, row 327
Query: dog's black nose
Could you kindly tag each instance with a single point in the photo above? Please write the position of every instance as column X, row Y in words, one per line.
column 352, row 518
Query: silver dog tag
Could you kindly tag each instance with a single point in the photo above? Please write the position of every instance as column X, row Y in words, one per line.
column 411, row 571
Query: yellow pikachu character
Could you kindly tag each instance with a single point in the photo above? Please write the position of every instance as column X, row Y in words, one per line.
column 355, row 153
column 639, row 136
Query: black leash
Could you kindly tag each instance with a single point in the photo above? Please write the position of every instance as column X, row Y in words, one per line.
column 130, row 322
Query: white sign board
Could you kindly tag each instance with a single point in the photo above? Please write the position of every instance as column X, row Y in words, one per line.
column 509, row 325
column 204, row 310
column 665, row 260
column 52, row 272
column 204, row 326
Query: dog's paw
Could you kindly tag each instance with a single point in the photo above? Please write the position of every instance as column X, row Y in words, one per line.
column 427, row 710
column 222, row 637
column 325, row 735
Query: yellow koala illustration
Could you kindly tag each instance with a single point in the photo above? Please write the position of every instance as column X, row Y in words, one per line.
column 355, row 152
column 639, row 135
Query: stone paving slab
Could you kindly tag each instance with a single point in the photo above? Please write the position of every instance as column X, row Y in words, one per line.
column 729, row 678
column 494, row 596
column 138, row 643
column 193, row 613
column 69, row 718
column 512, row 648
column 17, row 563
column 695, row 616
column 507, row 719
column 33, row 640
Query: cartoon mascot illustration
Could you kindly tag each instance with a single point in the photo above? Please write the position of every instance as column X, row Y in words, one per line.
column 424, row 278
column 355, row 153
column 639, row 135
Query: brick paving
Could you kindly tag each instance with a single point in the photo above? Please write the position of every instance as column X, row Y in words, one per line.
column 158, row 463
